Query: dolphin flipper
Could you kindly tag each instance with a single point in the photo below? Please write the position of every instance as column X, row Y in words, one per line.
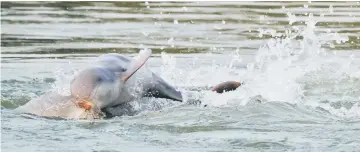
column 161, row 89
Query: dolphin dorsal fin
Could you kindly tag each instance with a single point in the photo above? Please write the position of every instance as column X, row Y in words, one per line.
column 136, row 64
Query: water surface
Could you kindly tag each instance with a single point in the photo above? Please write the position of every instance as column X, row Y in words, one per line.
column 299, row 61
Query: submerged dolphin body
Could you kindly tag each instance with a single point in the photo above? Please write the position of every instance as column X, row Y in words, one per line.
column 113, row 79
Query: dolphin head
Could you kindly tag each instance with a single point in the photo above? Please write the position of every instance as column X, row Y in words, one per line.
column 94, row 86
column 98, row 87
column 84, row 84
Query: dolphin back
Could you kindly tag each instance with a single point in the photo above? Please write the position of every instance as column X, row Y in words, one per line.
column 114, row 62
column 154, row 87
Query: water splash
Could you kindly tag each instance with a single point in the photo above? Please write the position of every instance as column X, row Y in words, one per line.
column 297, row 68
column 63, row 76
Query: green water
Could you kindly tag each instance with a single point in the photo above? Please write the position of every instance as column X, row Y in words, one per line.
column 42, row 42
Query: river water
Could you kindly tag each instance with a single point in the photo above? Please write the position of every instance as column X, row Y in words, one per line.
column 299, row 61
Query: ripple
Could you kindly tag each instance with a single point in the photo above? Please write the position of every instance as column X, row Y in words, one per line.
column 63, row 27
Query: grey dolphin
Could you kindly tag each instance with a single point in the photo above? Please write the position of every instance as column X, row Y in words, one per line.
column 113, row 79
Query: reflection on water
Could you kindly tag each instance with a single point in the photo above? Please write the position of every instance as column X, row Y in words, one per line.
column 83, row 27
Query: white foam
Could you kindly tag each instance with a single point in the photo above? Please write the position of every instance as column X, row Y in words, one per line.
column 284, row 70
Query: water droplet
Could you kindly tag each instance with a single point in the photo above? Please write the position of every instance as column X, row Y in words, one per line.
column 338, row 41
column 306, row 6
column 145, row 34
column 176, row 22
column 332, row 45
column 311, row 15
column 331, row 9
column 262, row 17
column 250, row 66
column 171, row 40
column 261, row 32
column 223, row 22
column 184, row 8
column 292, row 18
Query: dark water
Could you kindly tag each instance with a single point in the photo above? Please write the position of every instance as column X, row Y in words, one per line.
column 308, row 102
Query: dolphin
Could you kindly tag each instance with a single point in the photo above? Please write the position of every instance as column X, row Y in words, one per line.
column 111, row 80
